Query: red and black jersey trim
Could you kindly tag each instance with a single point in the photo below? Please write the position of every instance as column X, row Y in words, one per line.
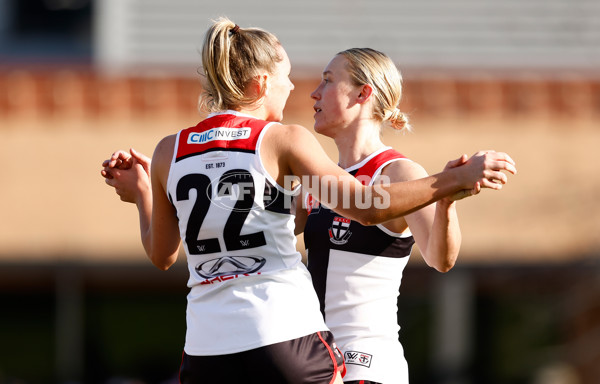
column 366, row 240
column 366, row 172
column 245, row 127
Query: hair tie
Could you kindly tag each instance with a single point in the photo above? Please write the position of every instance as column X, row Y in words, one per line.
column 235, row 29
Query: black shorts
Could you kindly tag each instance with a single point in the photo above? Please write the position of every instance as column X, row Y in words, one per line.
column 312, row 359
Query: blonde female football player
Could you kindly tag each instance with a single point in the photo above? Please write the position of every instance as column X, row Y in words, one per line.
column 357, row 269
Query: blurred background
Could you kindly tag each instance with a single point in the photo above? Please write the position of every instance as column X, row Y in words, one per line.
column 79, row 301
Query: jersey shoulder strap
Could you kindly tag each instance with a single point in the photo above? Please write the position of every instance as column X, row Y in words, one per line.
column 373, row 167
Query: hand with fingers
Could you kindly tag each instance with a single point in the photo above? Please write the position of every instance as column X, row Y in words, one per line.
column 124, row 160
column 485, row 170
column 495, row 163
column 128, row 173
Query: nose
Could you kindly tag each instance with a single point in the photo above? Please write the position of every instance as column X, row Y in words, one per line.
column 315, row 94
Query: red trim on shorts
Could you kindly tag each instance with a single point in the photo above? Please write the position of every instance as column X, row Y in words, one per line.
column 343, row 362
column 331, row 354
column 180, row 366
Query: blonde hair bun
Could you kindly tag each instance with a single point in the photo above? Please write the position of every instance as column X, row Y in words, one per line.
column 399, row 120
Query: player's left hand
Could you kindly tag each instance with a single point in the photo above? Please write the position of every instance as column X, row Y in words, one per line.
column 465, row 192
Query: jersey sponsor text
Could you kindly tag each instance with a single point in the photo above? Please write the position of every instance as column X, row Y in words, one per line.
column 219, row 133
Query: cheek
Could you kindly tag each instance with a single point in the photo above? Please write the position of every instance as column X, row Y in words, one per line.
column 333, row 104
column 331, row 96
column 283, row 92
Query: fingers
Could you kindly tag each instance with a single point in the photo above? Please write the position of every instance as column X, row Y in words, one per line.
column 106, row 173
column 502, row 162
column 505, row 157
column 486, row 183
column 140, row 156
column 457, row 163
column 496, row 177
column 487, row 169
column 119, row 159
column 124, row 160
column 144, row 160
column 463, row 194
column 494, row 162
column 510, row 167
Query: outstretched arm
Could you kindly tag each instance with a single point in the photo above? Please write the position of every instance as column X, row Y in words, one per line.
column 129, row 174
column 435, row 227
column 306, row 159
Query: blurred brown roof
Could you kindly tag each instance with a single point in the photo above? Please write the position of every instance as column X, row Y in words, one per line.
column 57, row 127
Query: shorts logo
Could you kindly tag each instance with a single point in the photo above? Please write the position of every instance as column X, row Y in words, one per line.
column 336, row 350
column 358, row 358
column 339, row 233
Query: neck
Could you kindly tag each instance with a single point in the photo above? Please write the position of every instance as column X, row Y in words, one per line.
column 259, row 112
column 356, row 145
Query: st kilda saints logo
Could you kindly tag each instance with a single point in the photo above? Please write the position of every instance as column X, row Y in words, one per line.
column 339, row 232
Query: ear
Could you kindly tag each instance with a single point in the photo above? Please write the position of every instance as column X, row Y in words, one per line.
column 258, row 84
column 365, row 93
column 263, row 84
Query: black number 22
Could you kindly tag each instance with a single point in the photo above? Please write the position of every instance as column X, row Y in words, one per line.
column 232, row 236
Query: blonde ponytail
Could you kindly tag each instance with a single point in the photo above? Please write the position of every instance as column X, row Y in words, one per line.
column 231, row 59
column 398, row 120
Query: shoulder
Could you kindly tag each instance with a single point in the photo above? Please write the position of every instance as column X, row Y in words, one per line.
column 166, row 146
column 289, row 136
column 163, row 154
column 404, row 170
column 288, row 129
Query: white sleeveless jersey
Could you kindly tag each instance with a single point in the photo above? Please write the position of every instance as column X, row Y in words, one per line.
column 357, row 271
column 249, row 287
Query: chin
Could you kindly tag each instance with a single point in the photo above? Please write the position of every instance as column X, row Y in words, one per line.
column 323, row 130
column 319, row 129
